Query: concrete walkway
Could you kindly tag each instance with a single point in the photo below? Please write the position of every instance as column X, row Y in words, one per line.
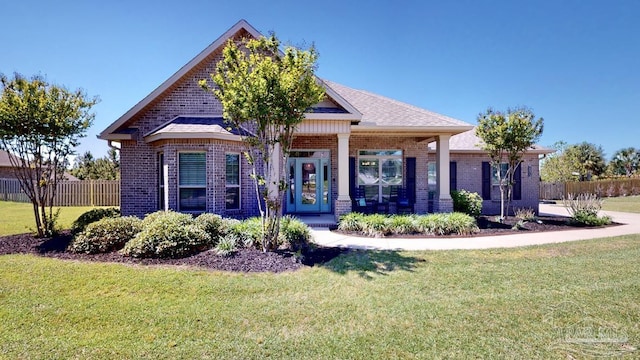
column 631, row 225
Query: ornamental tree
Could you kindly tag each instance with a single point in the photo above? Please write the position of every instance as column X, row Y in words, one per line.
column 265, row 94
column 625, row 162
column 506, row 137
column 40, row 125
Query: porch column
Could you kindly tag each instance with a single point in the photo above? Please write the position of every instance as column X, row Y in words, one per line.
column 443, row 202
column 343, row 202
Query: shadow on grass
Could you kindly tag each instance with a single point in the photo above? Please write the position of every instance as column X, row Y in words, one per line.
column 367, row 263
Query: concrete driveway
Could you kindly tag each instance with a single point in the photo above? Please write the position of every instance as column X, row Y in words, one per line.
column 631, row 225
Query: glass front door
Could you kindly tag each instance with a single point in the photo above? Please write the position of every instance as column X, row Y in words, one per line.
column 309, row 189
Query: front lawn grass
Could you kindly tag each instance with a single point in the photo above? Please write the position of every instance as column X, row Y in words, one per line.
column 17, row 218
column 625, row 204
column 501, row 303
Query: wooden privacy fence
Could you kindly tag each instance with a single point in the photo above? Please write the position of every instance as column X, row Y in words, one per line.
column 602, row 188
column 70, row 193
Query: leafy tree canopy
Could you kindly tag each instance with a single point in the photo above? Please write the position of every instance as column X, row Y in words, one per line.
column 625, row 162
column 506, row 136
column 86, row 167
column 265, row 94
column 40, row 125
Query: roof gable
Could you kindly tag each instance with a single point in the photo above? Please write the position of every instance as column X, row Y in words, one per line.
column 114, row 131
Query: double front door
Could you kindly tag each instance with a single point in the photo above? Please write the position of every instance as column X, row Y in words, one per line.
column 309, row 188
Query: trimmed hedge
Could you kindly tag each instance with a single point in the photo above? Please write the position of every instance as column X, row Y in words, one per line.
column 92, row 216
column 168, row 234
column 378, row 225
column 467, row 202
column 106, row 235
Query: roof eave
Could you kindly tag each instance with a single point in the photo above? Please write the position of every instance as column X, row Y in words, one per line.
column 333, row 116
column 242, row 24
column 191, row 135
column 115, row 136
column 452, row 130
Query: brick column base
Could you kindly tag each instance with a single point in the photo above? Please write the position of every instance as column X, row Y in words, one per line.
column 342, row 207
column 443, row 205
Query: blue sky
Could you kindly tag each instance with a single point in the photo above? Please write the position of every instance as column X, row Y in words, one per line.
column 575, row 63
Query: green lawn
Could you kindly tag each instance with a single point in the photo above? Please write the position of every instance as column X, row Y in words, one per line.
column 624, row 204
column 17, row 218
column 555, row 301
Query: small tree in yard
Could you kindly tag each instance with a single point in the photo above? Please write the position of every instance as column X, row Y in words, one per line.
column 506, row 136
column 40, row 124
column 264, row 94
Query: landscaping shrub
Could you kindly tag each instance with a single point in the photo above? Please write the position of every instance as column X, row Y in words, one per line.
column 351, row 222
column 105, row 235
column 402, row 224
column 467, row 202
column 447, row 224
column 227, row 245
column 91, row 216
column 376, row 225
column 584, row 209
column 212, row 224
column 525, row 214
column 248, row 231
column 168, row 235
column 294, row 234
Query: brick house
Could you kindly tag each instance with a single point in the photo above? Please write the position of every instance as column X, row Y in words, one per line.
column 176, row 152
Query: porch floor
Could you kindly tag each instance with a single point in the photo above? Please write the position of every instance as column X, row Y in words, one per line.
column 317, row 220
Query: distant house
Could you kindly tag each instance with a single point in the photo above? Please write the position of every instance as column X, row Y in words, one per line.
column 177, row 153
column 7, row 170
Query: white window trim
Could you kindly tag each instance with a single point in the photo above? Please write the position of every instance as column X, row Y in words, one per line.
column 227, row 185
column 180, row 187
column 380, row 158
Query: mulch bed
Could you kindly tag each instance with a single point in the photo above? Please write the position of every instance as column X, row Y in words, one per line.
column 245, row 260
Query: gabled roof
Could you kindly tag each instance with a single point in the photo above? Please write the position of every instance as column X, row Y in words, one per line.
column 194, row 127
column 379, row 112
column 468, row 141
column 114, row 133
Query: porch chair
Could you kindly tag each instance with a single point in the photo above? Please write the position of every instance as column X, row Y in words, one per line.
column 404, row 205
column 359, row 203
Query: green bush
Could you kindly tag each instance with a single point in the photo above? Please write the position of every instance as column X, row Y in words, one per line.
column 447, row 224
column 106, row 235
column 227, row 245
column 467, row 202
column 587, row 218
column 212, row 224
column 294, row 234
column 168, row 235
column 248, row 231
column 402, row 224
column 351, row 222
column 92, row 216
column 525, row 214
column 376, row 225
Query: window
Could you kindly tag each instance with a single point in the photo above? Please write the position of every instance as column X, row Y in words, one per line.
column 378, row 172
column 161, row 181
column 431, row 175
column 192, row 181
column 232, row 166
column 495, row 180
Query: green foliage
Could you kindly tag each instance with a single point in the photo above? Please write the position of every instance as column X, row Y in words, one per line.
column 587, row 160
column 40, row 125
column 584, row 209
column 86, row 167
column 625, row 162
column 526, row 214
column 91, row 216
column 227, row 245
column 212, row 224
column 447, row 224
column 402, row 224
column 105, row 235
column 265, row 94
column 168, row 235
column 248, row 231
column 376, row 225
column 294, row 234
column 506, row 137
column 467, row 202
column 351, row 222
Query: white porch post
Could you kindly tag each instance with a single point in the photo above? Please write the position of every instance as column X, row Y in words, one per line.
column 444, row 203
column 343, row 167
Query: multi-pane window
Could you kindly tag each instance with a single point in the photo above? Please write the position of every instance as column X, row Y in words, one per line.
column 192, row 181
column 232, row 170
column 496, row 176
column 378, row 172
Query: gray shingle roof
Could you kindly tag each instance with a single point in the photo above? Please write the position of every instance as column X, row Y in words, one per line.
column 383, row 111
column 186, row 124
column 468, row 141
